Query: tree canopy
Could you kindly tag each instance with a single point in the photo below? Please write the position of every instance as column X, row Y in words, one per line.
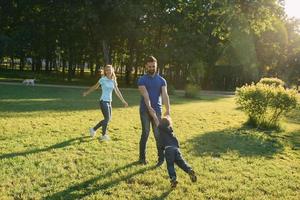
column 217, row 44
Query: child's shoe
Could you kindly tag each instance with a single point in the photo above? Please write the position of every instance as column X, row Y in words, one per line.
column 173, row 183
column 192, row 175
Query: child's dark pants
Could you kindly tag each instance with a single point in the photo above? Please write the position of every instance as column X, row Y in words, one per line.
column 173, row 155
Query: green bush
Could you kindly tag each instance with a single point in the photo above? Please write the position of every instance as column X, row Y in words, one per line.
column 265, row 103
column 191, row 90
column 272, row 81
column 171, row 89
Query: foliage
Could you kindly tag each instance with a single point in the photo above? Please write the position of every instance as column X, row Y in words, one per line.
column 171, row 89
column 272, row 81
column 188, row 36
column 265, row 104
column 192, row 90
column 196, row 72
column 292, row 68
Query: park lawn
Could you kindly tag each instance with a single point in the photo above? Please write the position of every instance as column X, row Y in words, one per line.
column 46, row 152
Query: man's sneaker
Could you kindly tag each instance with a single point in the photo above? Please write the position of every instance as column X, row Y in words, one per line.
column 92, row 132
column 173, row 183
column 104, row 137
column 193, row 176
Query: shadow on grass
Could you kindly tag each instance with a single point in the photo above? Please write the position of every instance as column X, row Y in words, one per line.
column 55, row 146
column 243, row 141
column 294, row 115
column 90, row 186
column 18, row 99
column 163, row 195
column 294, row 140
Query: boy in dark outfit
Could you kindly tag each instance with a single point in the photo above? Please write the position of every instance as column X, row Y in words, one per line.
column 170, row 145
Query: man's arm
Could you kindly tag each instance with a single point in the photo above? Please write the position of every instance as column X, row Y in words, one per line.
column 165, row 99
column 145, row 94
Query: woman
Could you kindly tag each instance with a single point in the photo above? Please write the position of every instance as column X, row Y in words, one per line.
column 108, row 83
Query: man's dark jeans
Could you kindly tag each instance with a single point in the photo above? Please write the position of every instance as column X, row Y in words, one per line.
column 173, row 155
column 105, row 107
column 146, row 120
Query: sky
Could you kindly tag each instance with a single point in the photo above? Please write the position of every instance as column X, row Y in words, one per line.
column 292, row 8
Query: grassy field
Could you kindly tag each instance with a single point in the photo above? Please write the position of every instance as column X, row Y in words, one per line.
column 53, row 77
column 46, row 152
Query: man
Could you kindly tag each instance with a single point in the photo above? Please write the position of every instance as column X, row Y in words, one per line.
column 152, row 88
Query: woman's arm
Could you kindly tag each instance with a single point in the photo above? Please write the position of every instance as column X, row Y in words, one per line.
column 94, row 87
column 118, row 93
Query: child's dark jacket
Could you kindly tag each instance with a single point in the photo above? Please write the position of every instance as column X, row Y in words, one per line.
column 167, row 137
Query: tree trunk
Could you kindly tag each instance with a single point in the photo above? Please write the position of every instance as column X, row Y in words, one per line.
column 12, row 62
column 106, row 52
column 63, row 69
column 129, row 63
column 22, row 64
column 70, row 70
column 91, row 65
column 82, row 69
column 138, row 55
column 47, row 64
column 38, row 65
column 32, row 64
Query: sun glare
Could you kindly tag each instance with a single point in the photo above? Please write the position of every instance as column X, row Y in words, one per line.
column 292, row 8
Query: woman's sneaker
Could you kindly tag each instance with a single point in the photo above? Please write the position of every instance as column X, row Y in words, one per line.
column 104, row 137
column 92, row 132
column 192, row 175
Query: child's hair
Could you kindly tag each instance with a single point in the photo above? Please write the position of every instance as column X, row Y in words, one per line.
column 166, row 121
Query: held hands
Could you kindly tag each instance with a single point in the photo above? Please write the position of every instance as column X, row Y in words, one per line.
column 167, row 113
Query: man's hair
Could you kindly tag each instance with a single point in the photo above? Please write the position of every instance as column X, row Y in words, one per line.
column 151, row 59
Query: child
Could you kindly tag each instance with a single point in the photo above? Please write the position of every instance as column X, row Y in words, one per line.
column 170, row 144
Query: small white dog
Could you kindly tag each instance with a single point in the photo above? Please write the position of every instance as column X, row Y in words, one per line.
column 29, row 82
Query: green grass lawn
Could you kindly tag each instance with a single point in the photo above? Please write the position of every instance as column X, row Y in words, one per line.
column 46, row 152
